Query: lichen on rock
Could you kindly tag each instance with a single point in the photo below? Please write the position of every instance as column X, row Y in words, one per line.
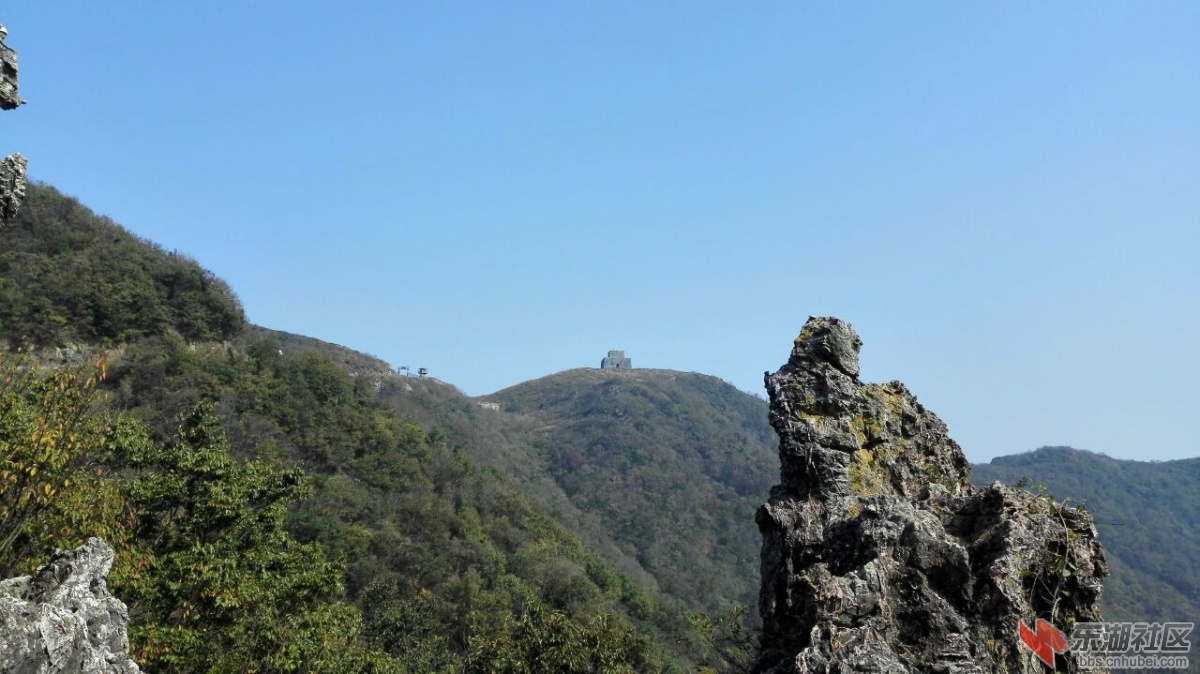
column 879, row 556
column 62, row 619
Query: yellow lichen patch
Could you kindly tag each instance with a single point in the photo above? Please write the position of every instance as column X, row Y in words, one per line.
column 813, row 420
column 853, row 509
column 887, row 409
column 858, row 426
column 865, row 428
column 865, row 473
column 890, row 399
column 893, row 402
column 936, row 475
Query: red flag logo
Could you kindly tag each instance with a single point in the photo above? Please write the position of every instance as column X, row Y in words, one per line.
column 1045, row 640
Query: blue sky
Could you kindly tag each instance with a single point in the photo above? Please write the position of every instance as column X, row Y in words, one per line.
column 1002, row 198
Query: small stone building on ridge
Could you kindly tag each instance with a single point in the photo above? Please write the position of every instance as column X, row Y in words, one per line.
column 616, row 360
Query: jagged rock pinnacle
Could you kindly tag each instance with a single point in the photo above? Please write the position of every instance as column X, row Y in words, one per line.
column 879, row 556
column 828, row 340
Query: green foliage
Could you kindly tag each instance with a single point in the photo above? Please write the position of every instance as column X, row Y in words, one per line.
column 273, row 512
column 67, row 274
column 668, row 466
column 224, row 569
column 49, row 434
column 405, row 623
column 726, row 645
column 429, row 540
column 212, row 578
column 550, row 642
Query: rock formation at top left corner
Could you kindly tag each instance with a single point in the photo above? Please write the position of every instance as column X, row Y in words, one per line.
column 12, row 167
column 9, row 99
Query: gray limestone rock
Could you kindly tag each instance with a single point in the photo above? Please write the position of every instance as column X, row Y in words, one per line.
column 63, row 619
column 879, row 556
column 12, row 185
column 9, row 98
column 12, row 168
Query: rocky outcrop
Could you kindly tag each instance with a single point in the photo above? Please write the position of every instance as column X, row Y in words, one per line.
column 8, row 74
column 12, row 167
column 12, row 185
column 63, row 619
column 879, row 556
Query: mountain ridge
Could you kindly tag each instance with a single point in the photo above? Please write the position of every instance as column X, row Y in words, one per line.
column 433, row 564
column 632, row 459
column 659, row 471
column 1126, row 585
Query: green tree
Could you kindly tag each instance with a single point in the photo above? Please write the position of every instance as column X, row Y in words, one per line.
column 226, row 585
column 722, row 641
column 539, row 641
column 404, row 623
column 50, row 433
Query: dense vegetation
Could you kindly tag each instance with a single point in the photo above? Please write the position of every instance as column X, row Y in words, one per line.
column 669, row 465
column 268, row 508
column 211, row 578
column 293, row 504
column 68, row 275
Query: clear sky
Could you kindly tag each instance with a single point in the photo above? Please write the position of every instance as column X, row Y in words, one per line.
column 1002, row 198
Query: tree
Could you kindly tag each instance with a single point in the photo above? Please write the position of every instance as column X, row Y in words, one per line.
column 549, row 642
column 50, row 433
column 723, row 643
column 227, row 588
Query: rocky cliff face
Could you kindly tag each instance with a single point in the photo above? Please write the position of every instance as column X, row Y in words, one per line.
column 12, row 167
column 63, row 619
column 879, row 556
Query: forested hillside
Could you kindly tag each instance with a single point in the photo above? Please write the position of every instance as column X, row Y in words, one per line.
column 69, row 275
column 669, row 465
column 280, row 500
column 266, row 505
